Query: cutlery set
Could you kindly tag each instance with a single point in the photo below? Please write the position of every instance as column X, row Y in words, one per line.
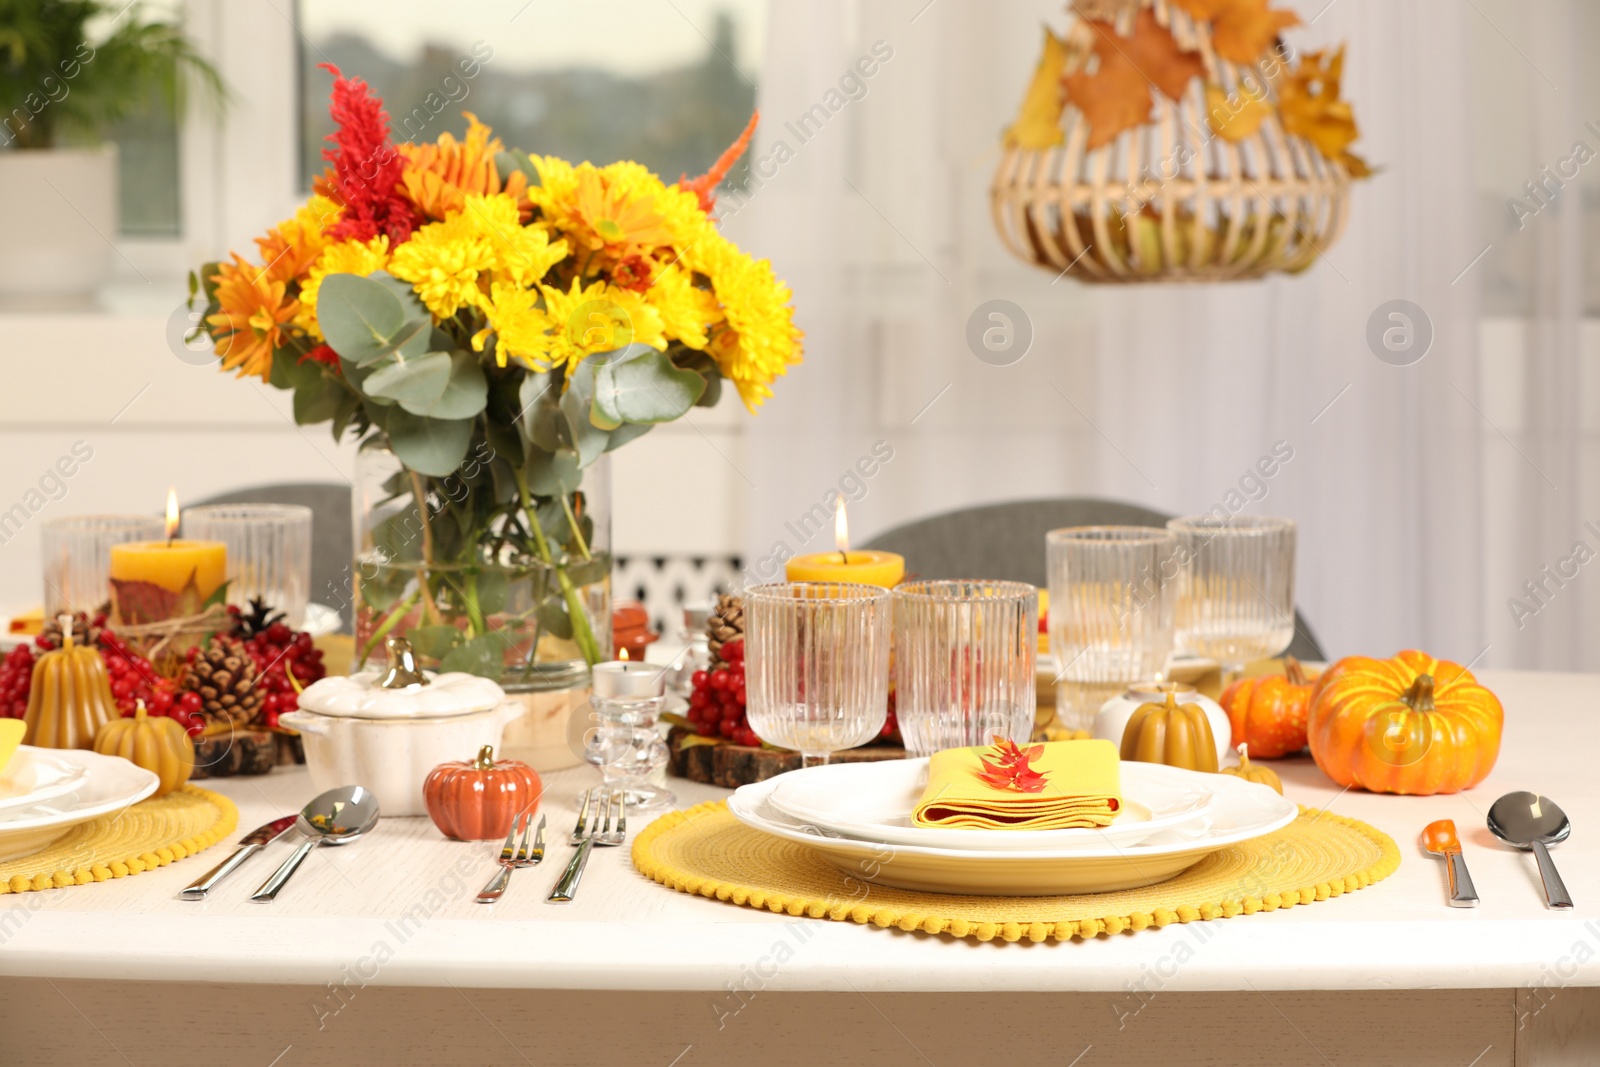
column 1523, row 820
column 339, row 816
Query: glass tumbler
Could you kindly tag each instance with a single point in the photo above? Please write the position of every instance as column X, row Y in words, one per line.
column 1235, row 587
column 1110, row 613
column 269, row 552
column 817, row 665
column 76, row 553
column 964, row 662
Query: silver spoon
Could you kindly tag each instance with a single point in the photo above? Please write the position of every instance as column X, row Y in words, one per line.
column 1530, row 821
column 337, row 817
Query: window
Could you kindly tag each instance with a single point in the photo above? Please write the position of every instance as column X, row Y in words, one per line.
column 666, row 85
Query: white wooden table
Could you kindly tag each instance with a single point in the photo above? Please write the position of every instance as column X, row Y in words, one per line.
column 377, row 952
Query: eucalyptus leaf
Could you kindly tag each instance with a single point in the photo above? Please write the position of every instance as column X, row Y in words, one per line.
column 483, row 656
column 552, row 473
column 434, row 447
column 357, row 376
column 466, row 390
column 494, row 590
column 416, row 384
column 577, row 404
column 553, row 617
column 365, row 320
column 646, row 387
column 628, row 431
column 317, row 401
column 435, row 642
column 713, row 393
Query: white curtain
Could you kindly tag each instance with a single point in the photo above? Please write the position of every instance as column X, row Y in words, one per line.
column 1406, row 481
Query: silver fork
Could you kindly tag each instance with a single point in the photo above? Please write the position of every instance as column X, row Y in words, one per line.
column 513, row 857
column 598, row 832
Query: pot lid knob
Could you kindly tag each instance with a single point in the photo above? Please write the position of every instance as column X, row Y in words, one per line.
column 403, row 670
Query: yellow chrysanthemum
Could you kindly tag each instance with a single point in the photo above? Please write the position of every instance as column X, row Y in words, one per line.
column 294, row 244
column 346, row 257
column 678, row 208
column 619, row 215
column 556, row 195
column 759, row 340
column 687, row 311
column 438, row 178
column 452, row 263
column 572, row 326
column 253, row 312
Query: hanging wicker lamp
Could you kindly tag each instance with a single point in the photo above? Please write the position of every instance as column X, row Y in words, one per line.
column 1241, row 166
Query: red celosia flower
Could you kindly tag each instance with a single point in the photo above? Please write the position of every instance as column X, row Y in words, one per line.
column 1011, row 767
column 322, row 354
column 633, row 272
column 365, row 167
column 704, row 186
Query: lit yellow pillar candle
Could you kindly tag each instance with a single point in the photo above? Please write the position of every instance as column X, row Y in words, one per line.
column 861, row 566
column 173, row 565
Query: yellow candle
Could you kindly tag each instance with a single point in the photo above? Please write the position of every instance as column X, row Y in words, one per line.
column 172, row 565
column 862, row 566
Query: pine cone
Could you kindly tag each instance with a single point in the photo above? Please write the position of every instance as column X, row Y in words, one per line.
column 725, row 624
column 225, row 677
column 85, row 631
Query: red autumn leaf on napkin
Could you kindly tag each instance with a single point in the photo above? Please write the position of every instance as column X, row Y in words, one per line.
column 1011, row 767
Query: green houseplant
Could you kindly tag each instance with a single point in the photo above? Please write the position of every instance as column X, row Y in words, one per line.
column 69, row 71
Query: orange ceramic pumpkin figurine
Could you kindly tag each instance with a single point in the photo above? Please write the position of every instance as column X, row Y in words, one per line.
column 476, row 800
column 1269, row 712
column 1412, row 724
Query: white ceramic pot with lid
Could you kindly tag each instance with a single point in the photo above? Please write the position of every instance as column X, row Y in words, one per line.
column 1114, row 714
column 386, row 730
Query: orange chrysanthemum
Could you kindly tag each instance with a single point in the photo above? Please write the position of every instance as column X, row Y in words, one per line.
column 254, row 313
column 290, row 247
column 617, row 220
column 438, row 178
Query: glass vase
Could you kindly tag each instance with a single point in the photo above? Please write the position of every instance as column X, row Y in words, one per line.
column 476, row 581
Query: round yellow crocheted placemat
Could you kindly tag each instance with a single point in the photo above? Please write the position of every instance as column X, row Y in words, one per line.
column 705, row 850
column 150, row 834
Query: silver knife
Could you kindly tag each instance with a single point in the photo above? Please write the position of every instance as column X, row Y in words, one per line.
column 252, row 843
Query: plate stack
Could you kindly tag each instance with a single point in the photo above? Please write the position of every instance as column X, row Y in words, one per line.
column 44, row 792
column 858, row 816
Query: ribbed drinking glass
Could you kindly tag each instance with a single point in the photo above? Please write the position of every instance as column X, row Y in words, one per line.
column 817, row 665
column 76, row 552
column 1110, row 613
column 269, row 551
column 964, row 662
column 1235, row 587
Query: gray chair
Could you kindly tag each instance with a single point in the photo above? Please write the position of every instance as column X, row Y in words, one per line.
column 331, row 538
column 1006, row 542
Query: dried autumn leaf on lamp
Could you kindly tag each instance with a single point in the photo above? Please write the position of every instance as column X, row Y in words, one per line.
column 1241, row 30
column 1309, row 105
column 1008, row 766
column 1235, row 117
column 1038, row 124
column 1116, row 96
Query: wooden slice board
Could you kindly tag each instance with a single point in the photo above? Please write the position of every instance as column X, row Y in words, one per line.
column 731, row 766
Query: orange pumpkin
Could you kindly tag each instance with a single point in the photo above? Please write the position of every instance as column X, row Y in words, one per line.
column 1269, row 713
column 476, row 800
column 1412, row 724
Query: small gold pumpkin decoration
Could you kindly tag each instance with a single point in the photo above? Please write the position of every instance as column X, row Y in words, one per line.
column 70, row 696
column 1178, row 735
column 1254, row 772
column 159, row 745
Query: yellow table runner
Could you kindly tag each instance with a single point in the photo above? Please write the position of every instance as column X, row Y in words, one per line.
column 152, row 833
column 706, row 851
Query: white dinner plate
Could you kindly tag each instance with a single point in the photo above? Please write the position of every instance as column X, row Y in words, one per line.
column 874, row 802
column 1242, row 812
column 111, row 785
column 35, row 775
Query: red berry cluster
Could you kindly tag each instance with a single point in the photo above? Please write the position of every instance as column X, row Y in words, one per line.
column 891, row 722
column 16, row 678
column 277, row 650
column 716, row 701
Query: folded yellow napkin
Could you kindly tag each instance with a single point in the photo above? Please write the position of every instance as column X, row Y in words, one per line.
column 15, row 778
column 1057, row 785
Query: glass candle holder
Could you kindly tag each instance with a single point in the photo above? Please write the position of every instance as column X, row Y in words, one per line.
column 964, row 662
column 269, row 552
column 76, row 554
column 1235, row 587
column 696, row 652
column 622, row 739
column 1110, row 613
column 817, row 665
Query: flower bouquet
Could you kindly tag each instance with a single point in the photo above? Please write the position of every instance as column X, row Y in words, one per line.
column 490, row 324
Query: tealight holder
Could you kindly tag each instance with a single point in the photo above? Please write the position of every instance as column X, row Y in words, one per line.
column 621, row 738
